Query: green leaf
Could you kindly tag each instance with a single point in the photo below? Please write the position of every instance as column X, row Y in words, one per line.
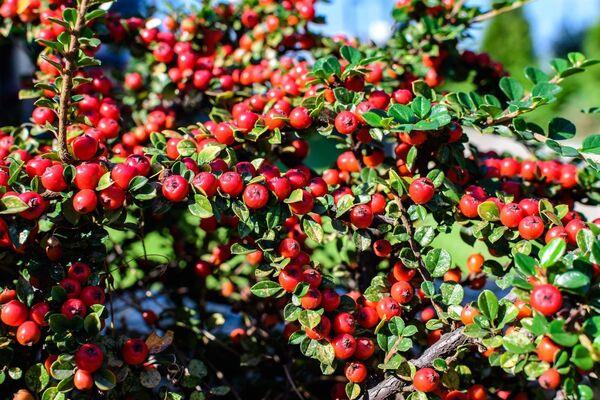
column 105, row 380
column 591, row 144
column 61, row 369
column 201, row 207
column 352, row 390
column 421, row 106
column 402, row 113
column 350, row 54
column 438, row 262
column 396, row 326
column 452, row 293
column 37, row 378
column 52, row 393
column 488, row 211
column 572, row 280
column 488, row 304
column 312, row 229
column 518, row 342
column 558, row 334
column 511, row 88
column 186, row 147
column 373, row 118
column 525, row 264
column 582, row 358
column 561, row 129
column 536, row 75
column 266, row 289
column 552, row 252
column 507, row 312
column 12, row 205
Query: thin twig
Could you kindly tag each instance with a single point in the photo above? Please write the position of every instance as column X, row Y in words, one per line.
column 417, row 253
column 70, row 70
column 498, row 11
column 291, row 381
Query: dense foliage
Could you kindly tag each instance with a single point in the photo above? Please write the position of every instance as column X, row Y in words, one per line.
column 163, row 236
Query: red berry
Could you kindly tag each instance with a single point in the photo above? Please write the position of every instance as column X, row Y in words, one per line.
column 89, row 358
column 303, row 206
column 531, row 227
column 43, row 115
column 421, row 190
column 511, row 214
column 402, row 292
column 312, row 277
column 83, row 380
column 28, row 333
column 382, row 248
column 331, row 300
column 87, row 175
column 112, row 197
column 572, row 228
column 346, row 122
column 402, row 96
column 361, row 216
column 388, row 308
column 300, row 118
column 175, row 188
column 468, row 206
column 365, row 348
column 367, row 317
column 207, row 183
column 37, row 205
column 84, row 147
column 85, row 201
column 344, row 323
column 546, row 299
column 134, row 352
column 38, row 313
column 426, row 380
column 231, row 183
column 311, row 300
column 355, row 372
column 122, row 174
column 53, row 179
column 256, row 196
column 550, row 379
column 73, row 307
column 91, row 295
column 14, row 313
column 344, row 346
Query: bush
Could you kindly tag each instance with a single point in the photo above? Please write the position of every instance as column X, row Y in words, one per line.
column 163, row 237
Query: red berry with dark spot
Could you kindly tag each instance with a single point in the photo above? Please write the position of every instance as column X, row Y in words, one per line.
column 531, row 227
column 89, row 357
column 546, row 299
column 344, row 346
column 426, row 380
column 175, row 188
column 134, row 351
column 256, row 196
column 346, row 122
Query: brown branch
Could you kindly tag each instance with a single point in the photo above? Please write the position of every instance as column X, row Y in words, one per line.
column 70, row 69
column 447, row 345
column 494, row 13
